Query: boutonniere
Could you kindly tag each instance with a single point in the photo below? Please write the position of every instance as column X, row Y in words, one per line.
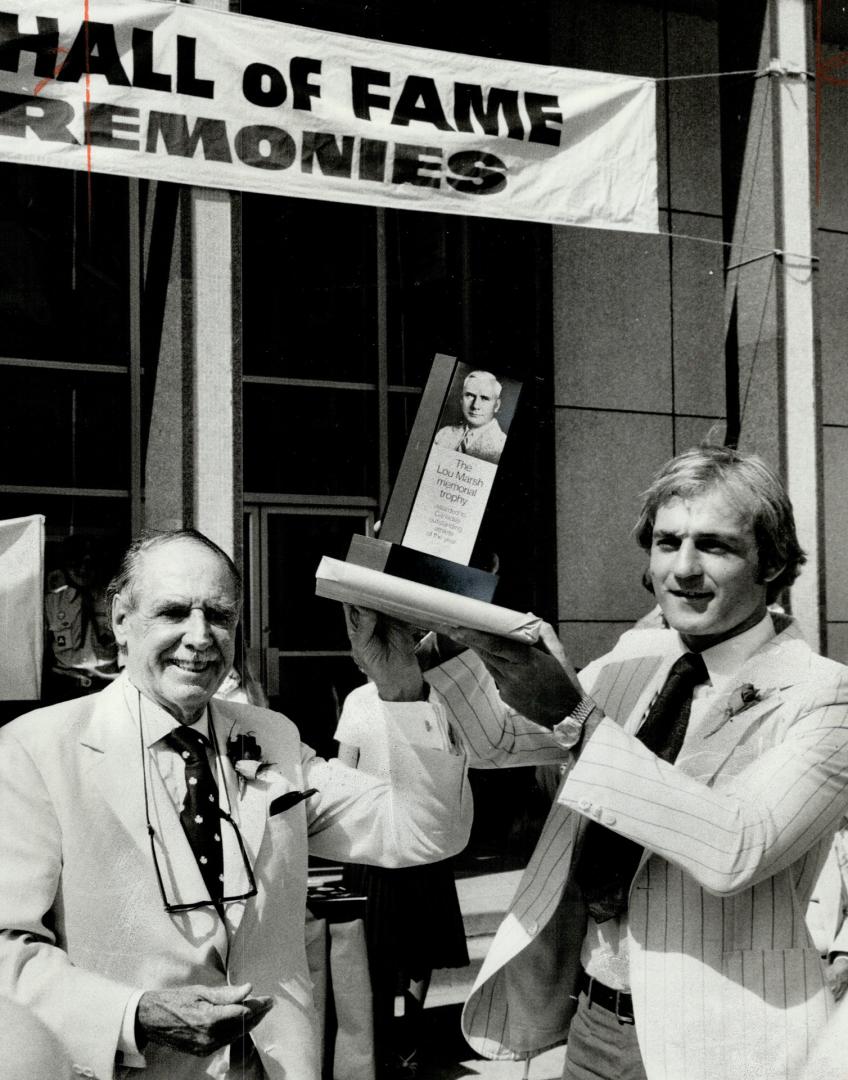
column 246, row 755
column 742, row 698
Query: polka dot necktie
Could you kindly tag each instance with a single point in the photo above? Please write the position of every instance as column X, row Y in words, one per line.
column 199, row 816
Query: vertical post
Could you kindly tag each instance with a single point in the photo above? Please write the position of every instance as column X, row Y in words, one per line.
column 216, row 375
column 135, row 247
column 215, row 450
column 797, row 351
column 382, row 359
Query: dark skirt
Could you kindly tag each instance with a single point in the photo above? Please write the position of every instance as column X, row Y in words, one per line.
column 413, row 921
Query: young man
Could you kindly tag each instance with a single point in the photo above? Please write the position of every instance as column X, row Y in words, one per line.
column 659, row 927
column 154, row 843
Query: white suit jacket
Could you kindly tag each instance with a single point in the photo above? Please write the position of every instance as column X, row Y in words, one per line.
column 82, row 917
column 725, row 980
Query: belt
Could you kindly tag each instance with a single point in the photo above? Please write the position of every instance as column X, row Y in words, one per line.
column 616, row 1001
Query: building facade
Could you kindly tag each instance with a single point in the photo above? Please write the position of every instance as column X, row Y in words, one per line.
column 251, row 365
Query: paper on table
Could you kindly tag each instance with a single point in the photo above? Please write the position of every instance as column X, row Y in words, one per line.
column 420, row 605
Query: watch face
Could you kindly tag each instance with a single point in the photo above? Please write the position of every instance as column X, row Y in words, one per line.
column 568, row 731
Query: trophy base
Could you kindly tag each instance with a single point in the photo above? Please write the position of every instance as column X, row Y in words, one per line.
column 404, row 562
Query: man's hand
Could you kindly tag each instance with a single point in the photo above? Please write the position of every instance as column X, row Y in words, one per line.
column 540, row 683
column 384, row 650
column 836, row 974
column 199, row 1019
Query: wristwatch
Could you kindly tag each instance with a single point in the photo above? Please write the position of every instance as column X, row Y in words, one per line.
column 568, row 732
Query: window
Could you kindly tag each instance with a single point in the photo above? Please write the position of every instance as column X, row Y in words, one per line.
column 64, row 308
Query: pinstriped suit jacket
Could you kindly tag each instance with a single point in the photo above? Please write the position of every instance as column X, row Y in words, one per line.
column 726, row 983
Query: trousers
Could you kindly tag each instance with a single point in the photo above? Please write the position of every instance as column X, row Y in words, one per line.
column 601, row 1048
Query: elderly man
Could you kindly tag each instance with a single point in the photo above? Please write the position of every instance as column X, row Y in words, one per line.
column 480, row 435
column 659, row 927
column 154, row 841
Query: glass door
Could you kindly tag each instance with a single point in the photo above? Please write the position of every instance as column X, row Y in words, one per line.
column 297, row 641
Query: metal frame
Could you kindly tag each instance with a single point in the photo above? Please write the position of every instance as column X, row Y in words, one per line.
column 258, row 516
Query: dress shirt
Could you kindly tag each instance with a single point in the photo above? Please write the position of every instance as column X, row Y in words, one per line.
column 604, row 954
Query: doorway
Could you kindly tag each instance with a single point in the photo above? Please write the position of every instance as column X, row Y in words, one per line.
column 297, row 641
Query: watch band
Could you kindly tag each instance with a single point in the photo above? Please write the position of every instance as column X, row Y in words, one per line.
column 569, row 731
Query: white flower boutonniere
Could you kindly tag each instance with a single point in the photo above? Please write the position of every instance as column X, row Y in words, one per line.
column 246, row 755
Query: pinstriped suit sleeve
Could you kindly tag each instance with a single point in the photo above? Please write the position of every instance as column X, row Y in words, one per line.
column 493, row 735
column 746, row 828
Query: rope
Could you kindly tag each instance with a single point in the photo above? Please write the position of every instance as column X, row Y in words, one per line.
column 763, row 253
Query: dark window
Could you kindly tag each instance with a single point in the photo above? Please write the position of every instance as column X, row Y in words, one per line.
column 67, row 428
column 64, row 265
column 309, row 271
column 309, row 441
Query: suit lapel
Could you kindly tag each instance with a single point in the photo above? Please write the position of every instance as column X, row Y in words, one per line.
column 621, row 685
column 728, row 725
column 711, row 748
column 114, row 737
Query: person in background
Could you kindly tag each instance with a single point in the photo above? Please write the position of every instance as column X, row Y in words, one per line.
column 413, row 922
column 81, row 656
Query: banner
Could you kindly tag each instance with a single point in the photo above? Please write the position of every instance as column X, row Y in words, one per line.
column 21, row 607
column 173, row 92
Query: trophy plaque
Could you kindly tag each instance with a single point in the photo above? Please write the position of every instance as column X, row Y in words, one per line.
column 417, row 570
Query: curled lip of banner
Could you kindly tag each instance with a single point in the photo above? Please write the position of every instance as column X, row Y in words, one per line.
column 420, row 605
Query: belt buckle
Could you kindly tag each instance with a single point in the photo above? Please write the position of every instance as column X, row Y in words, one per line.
column 622, row 1019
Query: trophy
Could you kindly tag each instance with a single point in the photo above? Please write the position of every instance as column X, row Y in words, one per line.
column 417, row 570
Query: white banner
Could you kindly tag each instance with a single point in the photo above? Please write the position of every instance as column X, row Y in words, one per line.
column 174, row 92
column 21, row 607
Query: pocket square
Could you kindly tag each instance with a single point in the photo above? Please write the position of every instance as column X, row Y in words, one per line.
column 290, row 799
